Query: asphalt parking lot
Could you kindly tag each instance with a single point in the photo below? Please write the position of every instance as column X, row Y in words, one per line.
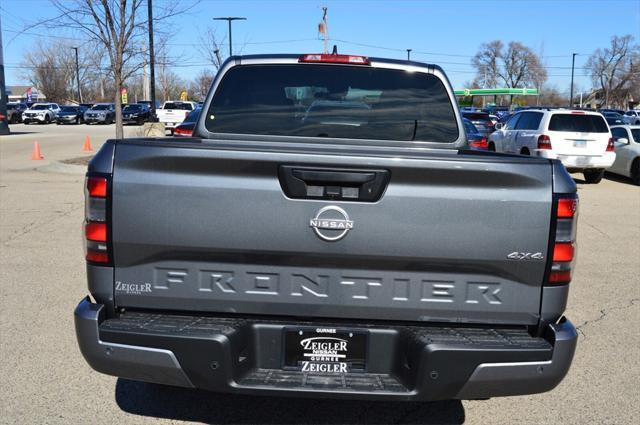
column 45, row 379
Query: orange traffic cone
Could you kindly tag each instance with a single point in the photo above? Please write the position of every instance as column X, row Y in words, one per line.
column 87, row 144
column 36, row 155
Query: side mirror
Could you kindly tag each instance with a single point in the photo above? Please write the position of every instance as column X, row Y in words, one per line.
column 623, row 141
column 498, row 126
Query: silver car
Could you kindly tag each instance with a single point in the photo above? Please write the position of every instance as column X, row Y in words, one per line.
column 102, row 113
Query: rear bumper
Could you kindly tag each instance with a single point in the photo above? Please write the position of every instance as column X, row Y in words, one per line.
column 67, row 119
column 581, row 162
column 404, row 362
column 170, row 125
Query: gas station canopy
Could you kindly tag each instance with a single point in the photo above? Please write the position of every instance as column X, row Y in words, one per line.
column 496, row 92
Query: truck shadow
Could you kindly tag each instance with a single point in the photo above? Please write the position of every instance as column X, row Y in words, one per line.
column 618, row 178
column 174, row 403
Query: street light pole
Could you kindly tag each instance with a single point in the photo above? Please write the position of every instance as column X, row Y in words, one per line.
column 573, row 63
column 4, row 120
column 229, row 19
column 409, row 54
column 152, row 61
column 78, row 76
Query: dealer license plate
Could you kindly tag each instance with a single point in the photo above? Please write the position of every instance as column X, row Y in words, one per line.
column 325, row 350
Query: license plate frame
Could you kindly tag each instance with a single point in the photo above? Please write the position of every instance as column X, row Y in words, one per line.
column 325, row 350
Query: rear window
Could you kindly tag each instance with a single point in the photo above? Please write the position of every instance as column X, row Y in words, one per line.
column 333, row 101
column 179, row 106
column 578, row 123
column 476, row 116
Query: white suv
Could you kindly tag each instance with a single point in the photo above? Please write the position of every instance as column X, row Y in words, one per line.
column 41, row 112
column 581, row 140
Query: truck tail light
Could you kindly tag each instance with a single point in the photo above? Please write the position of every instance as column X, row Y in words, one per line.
column 544, row 142
column 564, row 248
column 331, row 58
column 610, row 146
column 183, row 132
column 96, row 226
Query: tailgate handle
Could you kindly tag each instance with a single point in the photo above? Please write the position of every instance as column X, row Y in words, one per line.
column 334, row 184
column 340, row 178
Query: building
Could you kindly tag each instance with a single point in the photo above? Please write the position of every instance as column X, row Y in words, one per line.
column 24, row 94
column 622, row 100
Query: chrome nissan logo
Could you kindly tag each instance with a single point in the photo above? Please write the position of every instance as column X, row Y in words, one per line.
column 331, row 223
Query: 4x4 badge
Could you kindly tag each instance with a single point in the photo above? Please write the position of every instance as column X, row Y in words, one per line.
column 331, row 223
column 525, row 256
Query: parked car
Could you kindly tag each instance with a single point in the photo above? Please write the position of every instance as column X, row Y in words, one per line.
column 136, row 113
column 474, row 138
column 148, row 103
column 613, row 118
column 617, row 111
column 189, row 123
column 71, row 114
column 498, row 111
column 174, row 112
column 14, row 111
column 626, row 140
column 275, row 256
column 481, row 120
column 41, row 113
column 632, row 117
column 104, row 113
column 581, row 140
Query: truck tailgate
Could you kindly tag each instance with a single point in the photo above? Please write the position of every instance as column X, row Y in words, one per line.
column 208, row 227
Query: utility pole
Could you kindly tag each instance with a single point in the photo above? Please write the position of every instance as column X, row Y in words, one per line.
column 409, row 54
column 78, row 76
column 152, row 61
column 4, row 120
column 229, row 19
column 323, row 28
column 573, row 64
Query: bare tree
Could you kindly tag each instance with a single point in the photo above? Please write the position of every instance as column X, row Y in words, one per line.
column 113, row 24
column 517, row 66
column 211, row 48
column 119, row 28
column 486, row 62
column 201, row 84
column 169, row 83
column 615, row 69
column 51, row 68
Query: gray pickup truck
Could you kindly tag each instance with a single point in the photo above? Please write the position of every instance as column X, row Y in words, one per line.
column 325, row 233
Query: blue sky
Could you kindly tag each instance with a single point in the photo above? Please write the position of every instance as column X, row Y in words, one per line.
column 444, row 32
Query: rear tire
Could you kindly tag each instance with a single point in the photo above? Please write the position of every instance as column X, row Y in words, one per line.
column 525, row 151
column 635, row 172
column 491, row 148
column 593, row 176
